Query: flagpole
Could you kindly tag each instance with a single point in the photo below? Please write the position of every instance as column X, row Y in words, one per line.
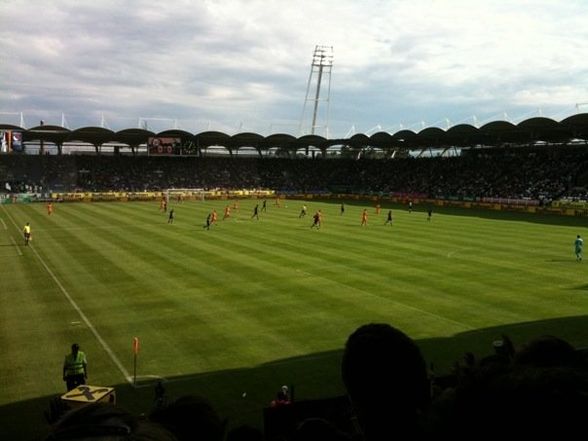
column 135, row 352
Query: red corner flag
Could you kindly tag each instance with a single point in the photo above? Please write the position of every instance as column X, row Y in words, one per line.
column 135, row 352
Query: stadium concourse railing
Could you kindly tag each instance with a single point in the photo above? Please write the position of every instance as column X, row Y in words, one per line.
column 563, row 207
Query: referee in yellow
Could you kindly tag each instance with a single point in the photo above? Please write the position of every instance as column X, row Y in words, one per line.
column 26, row 231
column 75, row 368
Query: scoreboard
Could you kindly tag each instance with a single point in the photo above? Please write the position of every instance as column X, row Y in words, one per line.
column 164, row 145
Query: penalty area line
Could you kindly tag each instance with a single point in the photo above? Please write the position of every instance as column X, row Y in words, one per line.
column 3, row 223
column 75, row 306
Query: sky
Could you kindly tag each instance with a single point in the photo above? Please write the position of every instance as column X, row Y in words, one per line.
column 245, row 65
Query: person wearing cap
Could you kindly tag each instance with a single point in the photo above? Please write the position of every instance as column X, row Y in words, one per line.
column 75, row 368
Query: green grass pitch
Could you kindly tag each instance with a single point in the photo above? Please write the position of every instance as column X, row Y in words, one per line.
column 251, row 305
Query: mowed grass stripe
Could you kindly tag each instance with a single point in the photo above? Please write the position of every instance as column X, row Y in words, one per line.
column 121, row 309
column 248, row 251
column 281, row 239
column 485, row 236
column 355, row 263
column 223, row 250
column 515, row 249
column 411, row 215
column 280, row 253
column 258, row 289
column 82, row 277
column 378, row 306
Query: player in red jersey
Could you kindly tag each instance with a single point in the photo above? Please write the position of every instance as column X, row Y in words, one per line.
column 364, row 217
column 317, row 219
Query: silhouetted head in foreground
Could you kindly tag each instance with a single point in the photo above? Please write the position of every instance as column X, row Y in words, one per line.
column 191, row 418
column 104, row 422
column 386, row 379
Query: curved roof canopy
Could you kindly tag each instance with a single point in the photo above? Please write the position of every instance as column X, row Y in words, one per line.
column 177, row 133
column 382, row 140
column 406, row 138
column 433, row 136
column 246, row 139
column 207, row 139
column 544, row 129
column 464, row 135
column 577, row 124
column 499, row 132
column 92, row 135
column 134, row 136
column 494, row 133
column 280, row 140
column 55, row 134
column 312, row 141
column 11, row 127
column 359, row 140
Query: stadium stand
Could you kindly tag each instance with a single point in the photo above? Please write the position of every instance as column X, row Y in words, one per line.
column 535, row 174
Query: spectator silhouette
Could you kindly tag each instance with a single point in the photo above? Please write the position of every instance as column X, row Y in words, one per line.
column 160, row 399
column 386, row 380
column 542, row 394
column 245, row 433
column 318, row 429
column 549, row 351
column 191, row 418
column 103, row 422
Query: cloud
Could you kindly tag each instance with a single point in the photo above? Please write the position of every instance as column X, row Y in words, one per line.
column 231, row 61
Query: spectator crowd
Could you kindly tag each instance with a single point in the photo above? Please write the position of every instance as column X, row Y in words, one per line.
column 518, row 173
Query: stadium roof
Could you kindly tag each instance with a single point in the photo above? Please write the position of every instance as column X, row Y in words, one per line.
column 495, row 133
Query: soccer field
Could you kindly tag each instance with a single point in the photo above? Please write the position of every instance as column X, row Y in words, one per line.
column 250, row 305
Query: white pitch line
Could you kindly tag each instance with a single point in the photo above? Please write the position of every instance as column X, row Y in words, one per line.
column 85, row 319
column 16, row 245
column 3, row 224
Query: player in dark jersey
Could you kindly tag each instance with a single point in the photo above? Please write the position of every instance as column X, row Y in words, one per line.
column 208, row 221
column 316, row 220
